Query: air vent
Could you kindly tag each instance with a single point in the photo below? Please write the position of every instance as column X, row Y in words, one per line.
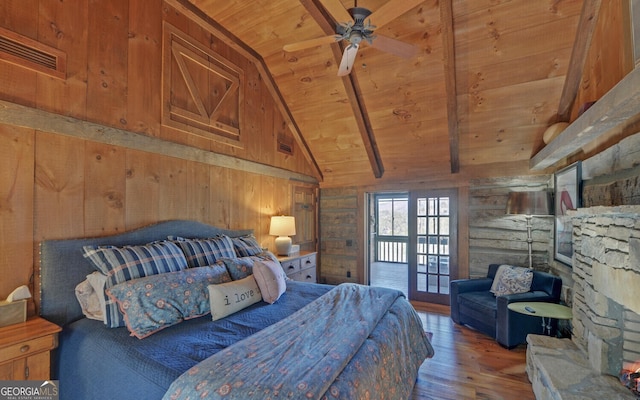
column 31, row 54
column 285, row 146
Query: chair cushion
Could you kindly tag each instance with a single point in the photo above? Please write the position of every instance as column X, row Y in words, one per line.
column 478, row 303
column 511, row 280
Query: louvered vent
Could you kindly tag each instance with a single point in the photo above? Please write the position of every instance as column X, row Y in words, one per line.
column 286, row 148
column 28, row 53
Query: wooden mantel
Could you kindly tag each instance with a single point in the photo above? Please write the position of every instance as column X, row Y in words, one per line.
column 616, row 110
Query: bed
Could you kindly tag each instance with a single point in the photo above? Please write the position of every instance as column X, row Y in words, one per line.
column 315, row 341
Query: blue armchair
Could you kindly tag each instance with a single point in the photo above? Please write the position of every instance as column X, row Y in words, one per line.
column 474, row 305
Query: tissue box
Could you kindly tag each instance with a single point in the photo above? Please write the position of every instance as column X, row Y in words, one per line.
column 13, row 313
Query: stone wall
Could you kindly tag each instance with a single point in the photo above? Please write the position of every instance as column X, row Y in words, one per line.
column 606, row 291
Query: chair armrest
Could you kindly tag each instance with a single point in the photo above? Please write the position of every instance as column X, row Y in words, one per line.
column 470, row 285
column 462, row 286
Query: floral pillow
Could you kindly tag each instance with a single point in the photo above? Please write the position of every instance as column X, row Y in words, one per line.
column 156, row 302
column 242, row 267
column 121, row 264
column 511, row 280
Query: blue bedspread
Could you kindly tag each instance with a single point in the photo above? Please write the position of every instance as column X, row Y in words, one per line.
column 353, row 342
column 95, row 362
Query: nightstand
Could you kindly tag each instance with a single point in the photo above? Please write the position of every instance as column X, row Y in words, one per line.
column 300, row 266
column 25, row 349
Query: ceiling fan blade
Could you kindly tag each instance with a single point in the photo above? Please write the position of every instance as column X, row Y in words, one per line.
column 337, row 10
column 392, row 10
column 348, row 58
column 306, row 44
column 395, row 47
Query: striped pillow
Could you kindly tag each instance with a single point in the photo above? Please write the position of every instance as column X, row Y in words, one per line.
column 203, row 252
column 246, row 246
column 122, row 264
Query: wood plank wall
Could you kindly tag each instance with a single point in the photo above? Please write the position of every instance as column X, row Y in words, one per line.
column 496, row 237
column 54, row 185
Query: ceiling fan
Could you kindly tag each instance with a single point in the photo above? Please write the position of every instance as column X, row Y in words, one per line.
column 358, row 28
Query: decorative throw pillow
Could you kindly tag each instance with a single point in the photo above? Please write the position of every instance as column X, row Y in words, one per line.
column 121, row 264
column 232, row 297
column 271, row 279
column 511, row 280
column 246, row 246
column 242, row 267
column 239, row 268
column 203, row 252
column 89, row 301
column 155, row 302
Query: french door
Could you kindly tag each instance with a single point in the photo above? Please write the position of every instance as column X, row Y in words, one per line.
column 433, row 232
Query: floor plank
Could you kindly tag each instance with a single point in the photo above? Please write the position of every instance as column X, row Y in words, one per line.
column 467, row 364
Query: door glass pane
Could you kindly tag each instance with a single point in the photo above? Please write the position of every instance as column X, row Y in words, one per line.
column 422, row 282
column 433, row 264
column 433, row 225
column 444, row 265
column 433, row 245
column 433, row 283
column 444, row 206
column 433, row 206
column 444, row 225
column 422, row 207
column 444, row 284
column 422, row 226
column 444, row 245
column 400, row 217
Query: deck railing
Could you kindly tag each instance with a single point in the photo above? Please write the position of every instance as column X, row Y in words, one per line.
column 392, row 249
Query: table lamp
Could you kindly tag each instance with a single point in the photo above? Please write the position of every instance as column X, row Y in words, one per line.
column 283, row 226
column 529, row 204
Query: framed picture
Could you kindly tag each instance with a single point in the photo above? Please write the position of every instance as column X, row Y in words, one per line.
column 568, row 196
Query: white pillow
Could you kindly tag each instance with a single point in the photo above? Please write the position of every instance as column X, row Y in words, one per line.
column 89, row 301
column 511, row 280
column 98, row 281
column 271, row 279
column 228, row 298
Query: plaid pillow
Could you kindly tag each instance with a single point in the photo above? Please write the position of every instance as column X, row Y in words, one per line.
column 246, row 246
column 203, row 252
column 122, row 264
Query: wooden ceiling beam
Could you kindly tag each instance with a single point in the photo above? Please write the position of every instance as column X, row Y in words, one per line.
column 581, row 45
column 327, row 23
column 449, row 61
column 232, row 41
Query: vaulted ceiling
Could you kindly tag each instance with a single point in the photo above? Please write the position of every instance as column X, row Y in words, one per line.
column 486, row 81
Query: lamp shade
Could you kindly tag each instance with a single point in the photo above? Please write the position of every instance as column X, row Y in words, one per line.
column 282, row 226
column 529, row 203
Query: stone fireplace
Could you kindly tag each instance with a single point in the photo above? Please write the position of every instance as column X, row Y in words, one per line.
column 606, row 292
column 606, row 307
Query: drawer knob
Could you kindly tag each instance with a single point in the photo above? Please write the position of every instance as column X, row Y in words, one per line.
column 24, row 348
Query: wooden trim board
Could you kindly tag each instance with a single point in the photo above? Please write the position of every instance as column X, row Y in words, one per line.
column 27, row 117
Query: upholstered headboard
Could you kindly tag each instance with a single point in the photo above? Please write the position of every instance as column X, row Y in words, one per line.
column 62, row 265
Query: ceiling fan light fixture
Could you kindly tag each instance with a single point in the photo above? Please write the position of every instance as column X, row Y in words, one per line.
column 355, row 37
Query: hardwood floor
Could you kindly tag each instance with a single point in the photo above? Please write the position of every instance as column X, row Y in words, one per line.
column 467, row 364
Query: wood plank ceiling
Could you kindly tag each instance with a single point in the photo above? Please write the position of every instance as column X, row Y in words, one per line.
column 485, row 84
